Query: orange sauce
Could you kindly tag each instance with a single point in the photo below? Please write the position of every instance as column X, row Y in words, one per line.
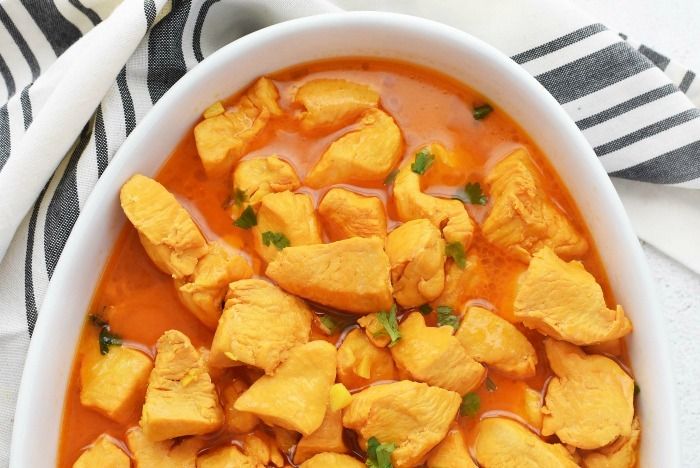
column 140, row 302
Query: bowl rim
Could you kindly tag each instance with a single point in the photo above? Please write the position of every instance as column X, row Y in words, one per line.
column 103, row 192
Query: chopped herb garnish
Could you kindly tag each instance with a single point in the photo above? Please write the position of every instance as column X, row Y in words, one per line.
column 97, row 320
column 636, row 389
column 247, row 219
column 379, row 455
column 108, row 339
column 239, row 197
column 490, row 385
column 446, row 317
column 329, row 323
column 390, row 324
column 470, row 404
column 425, row 309
column 391, row 177
column 475, row 195
column 422, row 162
column 277, row 239
column 482, row 111
column 455, row 250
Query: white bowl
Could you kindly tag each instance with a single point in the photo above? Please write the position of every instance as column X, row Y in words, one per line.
column 453, row 52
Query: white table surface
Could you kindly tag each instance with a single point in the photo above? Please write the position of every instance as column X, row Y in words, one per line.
column 672, row 27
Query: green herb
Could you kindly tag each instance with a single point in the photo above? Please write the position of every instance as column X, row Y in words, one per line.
column 390, row 324
column 330, row 323
column 490, row 385
column 108, row 339
column 247, row 219
column 97, row 320
column 455, row 250
column 422, row 162
column 482, row 111
column 239, row 197
column 379, row 455
column 277, row 239
column 425, row 309
column 470, row 404
column 446, row 317
column 475, row 195
column 391, row 177
column 636, row 389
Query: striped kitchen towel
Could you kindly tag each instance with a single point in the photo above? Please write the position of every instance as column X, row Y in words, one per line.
column 76, row 80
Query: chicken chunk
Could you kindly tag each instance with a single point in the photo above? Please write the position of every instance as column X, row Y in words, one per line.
column 456, row 282
column 620, row 454
column 262, row 450
column 522, row 219
column 416, row 252
column 333, row 103
column 259, row 326
column 446, row 168
column 360, row 363
column 564, row 301
column 166, row 230
column 362, row 156
column 164, row 454
column 351, row 274
column 226, row 457
column 203, row 292
column 504, row 443
column 451, row 453
column 114, row 384
column 296, row 397
column 238, row 422
column 181, row 399
column 335, row 460
column 414, row 416
column 491, row 340
column 589, row 402
column 346, row 214
column 291, row 214
column 432, row 355
column 103, row 453
column 224, row 138
column 448, row 215
column 533, row 408
column 327, row 438
column 255, row 178
column 374, row 330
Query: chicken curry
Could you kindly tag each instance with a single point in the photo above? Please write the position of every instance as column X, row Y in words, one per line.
column 352, row 263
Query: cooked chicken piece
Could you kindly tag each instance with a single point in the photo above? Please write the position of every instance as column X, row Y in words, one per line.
column 432, row 355
column 262, row 449
column 456, row 281
column 613, row 347
column 181, row 399
column 291, row 214
column 412, row 415
column 346, row 214
column 350, row 275
column 564, row 301
column 224, row 138
column 361, row 363
column 259, row 326
column 451, row 453
column 334, row 460
column 285, row 438
column 416, row 252
column 374, row 330
column 522, row 219
column 296, row 397
column 491, row 340
column 504, row 443
column 226, row 457
column 445, row 168
column 449, row 215
column 362, row 156
column 589, row 403
column 238, row 422
column 333, row 103
column 533, row 408
column 327, row 438
column 148, row 453
column 103, row 453
column 255, row 178
column 114, row 384
column 203, row 292
column 166, row 230
column 620, row 454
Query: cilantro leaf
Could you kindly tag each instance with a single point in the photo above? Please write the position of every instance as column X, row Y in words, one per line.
column 482, row 111
column 475, row 194
column 425, row 309
column 379, row 455
column 456, row 251
column 97, row 320
column 108, row 339
column 490, row 385
column 247, row 219
column 391, row 177
column 390, row 324
column 446, row 317
column 239, row 197
column 277, row 239
column 422, row 162
column 330, row 323
column 470, row 404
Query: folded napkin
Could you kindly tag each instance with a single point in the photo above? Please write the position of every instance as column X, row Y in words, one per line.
column 76, row 79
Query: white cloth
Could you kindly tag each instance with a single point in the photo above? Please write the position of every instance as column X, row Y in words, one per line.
column 65, row 117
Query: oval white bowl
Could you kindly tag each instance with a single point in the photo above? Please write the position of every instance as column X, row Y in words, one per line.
column 448, row 50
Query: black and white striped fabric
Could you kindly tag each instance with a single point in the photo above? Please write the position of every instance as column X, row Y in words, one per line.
column 76, row 79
